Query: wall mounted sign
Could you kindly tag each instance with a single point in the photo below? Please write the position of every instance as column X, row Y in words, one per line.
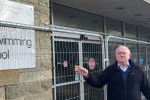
column 17, row 48
column 16, row 12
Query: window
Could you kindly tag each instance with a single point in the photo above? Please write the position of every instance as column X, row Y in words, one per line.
column 130, row 30
column 73, row 18
column 113, row 26
column 144, row 33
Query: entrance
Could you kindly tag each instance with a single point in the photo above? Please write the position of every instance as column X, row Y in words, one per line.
column 85, row 51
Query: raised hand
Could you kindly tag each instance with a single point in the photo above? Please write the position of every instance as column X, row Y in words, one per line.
column 82, row 71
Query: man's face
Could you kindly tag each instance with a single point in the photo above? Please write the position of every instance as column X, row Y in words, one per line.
column 122, row 55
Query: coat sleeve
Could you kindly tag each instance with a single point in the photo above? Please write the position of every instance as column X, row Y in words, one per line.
column 98, row 81
column 145, row 86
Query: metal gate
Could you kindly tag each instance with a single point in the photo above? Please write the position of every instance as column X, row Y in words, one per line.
column 140, row 52
column 76, row 49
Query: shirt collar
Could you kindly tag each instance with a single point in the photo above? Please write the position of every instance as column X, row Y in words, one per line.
column 125, row 65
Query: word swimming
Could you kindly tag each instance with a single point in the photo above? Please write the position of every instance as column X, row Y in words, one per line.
column 21, row 42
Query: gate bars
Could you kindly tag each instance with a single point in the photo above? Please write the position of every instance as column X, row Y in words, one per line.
column 79, row 33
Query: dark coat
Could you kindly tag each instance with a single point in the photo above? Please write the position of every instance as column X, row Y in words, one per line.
column 136, row 83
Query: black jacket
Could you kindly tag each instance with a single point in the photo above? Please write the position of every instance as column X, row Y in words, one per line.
column 136, row 83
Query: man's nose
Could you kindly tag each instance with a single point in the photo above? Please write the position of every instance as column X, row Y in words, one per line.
column 122, row 54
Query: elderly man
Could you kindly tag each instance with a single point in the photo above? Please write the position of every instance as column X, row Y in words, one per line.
column 125, row 79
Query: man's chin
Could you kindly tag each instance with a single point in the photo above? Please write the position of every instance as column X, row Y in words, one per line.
column 122, row 62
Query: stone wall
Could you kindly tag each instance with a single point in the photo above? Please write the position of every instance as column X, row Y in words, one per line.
column 32, row 83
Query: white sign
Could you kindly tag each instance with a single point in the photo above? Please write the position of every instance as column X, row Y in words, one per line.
column 76, row 77
column 17, row 48
column 16, row 12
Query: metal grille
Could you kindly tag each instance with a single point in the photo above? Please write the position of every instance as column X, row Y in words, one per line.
column 66, row 51
column 148, row 55
column 91, row 50
column 76, row 50
column 68, row 92
column 91, row 93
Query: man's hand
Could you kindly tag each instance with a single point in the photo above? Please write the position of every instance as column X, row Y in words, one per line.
column 82, row 71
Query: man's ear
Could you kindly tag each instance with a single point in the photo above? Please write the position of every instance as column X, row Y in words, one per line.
column 130, row 55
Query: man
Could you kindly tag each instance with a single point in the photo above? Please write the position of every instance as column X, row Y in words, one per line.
column 125, row 79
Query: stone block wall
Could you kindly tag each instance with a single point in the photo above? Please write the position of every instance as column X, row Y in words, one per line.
column 32, row 83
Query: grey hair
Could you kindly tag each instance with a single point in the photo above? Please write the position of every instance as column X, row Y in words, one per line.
column 123, row 46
